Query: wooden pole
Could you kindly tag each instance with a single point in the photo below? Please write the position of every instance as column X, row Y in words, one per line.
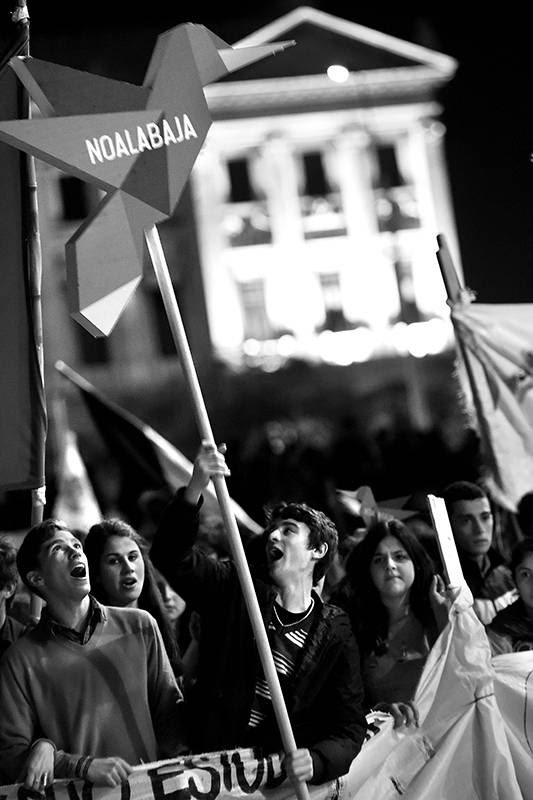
column 30, row 228
column 157, row 255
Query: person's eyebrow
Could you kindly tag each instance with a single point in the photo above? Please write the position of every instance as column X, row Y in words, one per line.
column 55, row 540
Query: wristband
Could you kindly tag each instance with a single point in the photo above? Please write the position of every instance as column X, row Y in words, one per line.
column 85, row 768
column 82, row 766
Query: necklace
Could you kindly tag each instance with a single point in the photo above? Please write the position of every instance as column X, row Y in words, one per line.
column 303, row 615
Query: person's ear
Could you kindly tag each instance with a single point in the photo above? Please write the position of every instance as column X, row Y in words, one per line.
column 320, row 550
column 10, row 589
column 35, row 579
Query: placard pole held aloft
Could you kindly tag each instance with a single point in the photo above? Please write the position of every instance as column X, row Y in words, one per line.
column 160, row 266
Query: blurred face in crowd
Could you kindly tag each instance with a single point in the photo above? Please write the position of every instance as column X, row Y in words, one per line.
column 63, row 567
column 6, row 592
column 391, row 569
column 174, row 604
column 471, row 522
column 121, row 571
column 524, row 581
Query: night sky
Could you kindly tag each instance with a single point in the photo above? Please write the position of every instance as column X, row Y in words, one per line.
column 487, row 106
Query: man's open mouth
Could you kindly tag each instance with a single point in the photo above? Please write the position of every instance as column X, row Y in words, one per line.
column 79, row 571
column 275, row 553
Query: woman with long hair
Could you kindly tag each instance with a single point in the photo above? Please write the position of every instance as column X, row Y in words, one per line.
column 397, row 605
column 122, row 574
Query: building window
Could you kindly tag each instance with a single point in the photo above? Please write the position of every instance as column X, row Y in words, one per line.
column 165, row 342
column 409, row 311
column 256, row 322
column 332, row 297
column 388, row 173
column 316, row 184
column 93, row 350
column 75, row 201
column 320, row 206
column 396, row 207
column 246, row 220
column 239, row 178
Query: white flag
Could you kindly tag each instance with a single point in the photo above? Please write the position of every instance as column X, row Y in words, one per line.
column 495, row 344
column 75, row 503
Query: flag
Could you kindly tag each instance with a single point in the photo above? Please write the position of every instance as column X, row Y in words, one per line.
column 513, row 687
column 496, row 376
column 494, row 368
column 461, row 747
column 150, row 460
column 75, row 501
column 23, row 417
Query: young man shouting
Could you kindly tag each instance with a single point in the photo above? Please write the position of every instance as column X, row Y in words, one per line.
column 312, row 643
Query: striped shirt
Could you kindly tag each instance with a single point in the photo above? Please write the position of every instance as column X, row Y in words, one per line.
column 287, row 634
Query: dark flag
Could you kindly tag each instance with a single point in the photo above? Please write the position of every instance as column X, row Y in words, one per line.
column 23, row 417
column 147, row 459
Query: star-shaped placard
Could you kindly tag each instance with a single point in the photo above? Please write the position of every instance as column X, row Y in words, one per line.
column 136, row 143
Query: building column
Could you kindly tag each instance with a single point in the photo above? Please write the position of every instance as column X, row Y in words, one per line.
column 422, row 162
column 427, row 167
column 209, row 185
column 368, row 281
column 292, row 291
column 434, row 133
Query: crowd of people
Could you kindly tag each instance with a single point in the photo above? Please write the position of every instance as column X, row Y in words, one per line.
column 154, row 640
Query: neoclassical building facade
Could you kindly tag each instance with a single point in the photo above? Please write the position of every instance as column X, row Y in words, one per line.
column 308, row 227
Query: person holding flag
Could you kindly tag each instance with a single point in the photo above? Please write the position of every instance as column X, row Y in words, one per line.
column 312, row 644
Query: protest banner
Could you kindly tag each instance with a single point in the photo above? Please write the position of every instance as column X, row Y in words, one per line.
column 211, row 776
column 513, row 687
column 474, row 741
column 446, row 543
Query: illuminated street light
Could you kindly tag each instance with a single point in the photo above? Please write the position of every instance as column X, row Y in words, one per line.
column 337, row 73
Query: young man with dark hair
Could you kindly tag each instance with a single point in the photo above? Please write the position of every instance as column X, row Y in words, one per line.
column 89, row 692
column 489, row 578
column 312, row 643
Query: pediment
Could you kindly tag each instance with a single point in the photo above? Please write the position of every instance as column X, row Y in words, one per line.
column 322, row 39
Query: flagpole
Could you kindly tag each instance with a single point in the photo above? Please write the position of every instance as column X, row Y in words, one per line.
column 160, row 266
column 32, row 241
